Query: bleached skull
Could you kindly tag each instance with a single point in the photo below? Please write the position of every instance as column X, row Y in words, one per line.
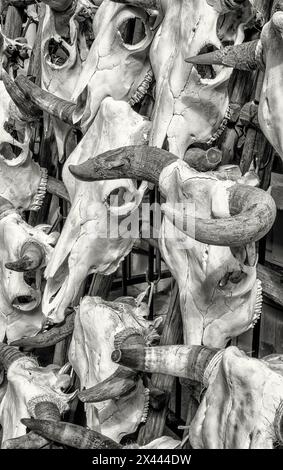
column 117, row 401
column 30, row 391
column 118, row 63
column 242, row 406
column 192, row 102
column 64, row 50
column 87, row 244
column 23, row 251
column 211, row 251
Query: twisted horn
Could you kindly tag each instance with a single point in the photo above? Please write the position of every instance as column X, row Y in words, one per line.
column 121, row 382
column 147, row 4
column 46, row 101
column 8, row 355
column 253, row 211
column 50, row 337
column 71, row 435
column 244, row 56
column 32, row 257
column 194, row 363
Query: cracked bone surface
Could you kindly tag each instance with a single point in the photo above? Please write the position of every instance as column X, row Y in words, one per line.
column 87, row 243
column 191, row 102
column 64, row 50
column 212, row 256
column 24, row 249
column 242, row 406
column 118, row 63
column 27, row 387
column 116, row 401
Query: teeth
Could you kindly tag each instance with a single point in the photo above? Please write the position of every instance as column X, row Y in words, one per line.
column 142, row 89
column 40, row 195
column 222, row 127
column 258, row 304
column 146, row 406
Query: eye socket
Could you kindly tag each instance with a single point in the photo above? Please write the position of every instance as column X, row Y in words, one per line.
column 132, row 31
column 9, row 151
column 57, row 52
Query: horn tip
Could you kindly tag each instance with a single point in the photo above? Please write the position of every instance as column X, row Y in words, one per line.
column 79, row 172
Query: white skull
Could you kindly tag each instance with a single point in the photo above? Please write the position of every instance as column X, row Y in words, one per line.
column 97, row 324
column 240, row 406
column 191, row 101
column 85, row 246
column 20, row 311
column 214, row 307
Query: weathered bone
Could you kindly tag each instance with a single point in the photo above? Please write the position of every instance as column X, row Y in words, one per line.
column 252, row 209
column 242, row 57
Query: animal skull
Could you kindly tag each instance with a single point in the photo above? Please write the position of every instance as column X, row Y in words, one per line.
column 191, row 103
column 30, row 391
column 214, row 260
column 85, row 245
column 117, row 401
column 118, row 63
column 242, row 407
column 22, row 249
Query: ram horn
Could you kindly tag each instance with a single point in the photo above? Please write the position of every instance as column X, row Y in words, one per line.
column 42, row 410
column 242, row 57
column 195, row 363
column 26, row 107
column 32, row 257
column 147, row 4
column 46, row 101
column 252, row 210
column 121, row 382
column 50, row 337
column 71, row 435
column 8, row 355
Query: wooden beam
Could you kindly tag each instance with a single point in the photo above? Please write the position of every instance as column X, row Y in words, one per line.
column 272, row 284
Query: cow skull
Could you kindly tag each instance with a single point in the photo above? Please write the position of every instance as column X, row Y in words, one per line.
column 242, row 407
column 117, row 400
column 23, row 250
column 192, row 104
column 86, row 245
column 214, row 259
column 30, row 391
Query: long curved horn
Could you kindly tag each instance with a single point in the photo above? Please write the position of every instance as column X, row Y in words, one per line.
column 278, row 423
column 246, row 56
column 253, row 211
column 8, row 355
column 25, row 106
column 50, row 337
column 121, row 382
column 147, row 4
column 71, row 435
column 46, row 101
column 194, row 363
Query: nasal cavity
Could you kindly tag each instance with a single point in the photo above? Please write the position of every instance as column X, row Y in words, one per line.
column 206, row 71
column 57, row 52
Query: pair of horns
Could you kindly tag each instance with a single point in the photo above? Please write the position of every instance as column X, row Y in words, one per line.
column 252, row 210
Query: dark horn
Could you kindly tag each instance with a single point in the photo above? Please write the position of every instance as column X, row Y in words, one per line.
column 25, row 106
column 71, row 435
column 242, row 57
column 8, row 355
